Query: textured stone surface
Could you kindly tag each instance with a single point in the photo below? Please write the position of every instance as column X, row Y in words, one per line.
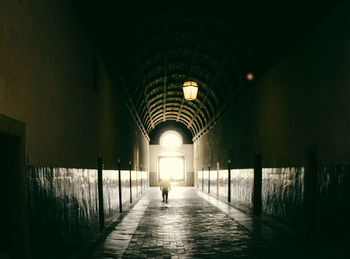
column 188, row 226
column 223, row 184
column 63, row 204
column 213, row 182
column 111, row 191
column 282, row 189
column 241, row 185
column 282, row 192
column 196, row 225
column 62, row 207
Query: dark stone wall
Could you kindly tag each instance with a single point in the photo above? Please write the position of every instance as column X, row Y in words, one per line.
column 63, row 205
column 302, row 100
column 118, row 135
column 47, row 81
column 52, row 80
column 332, row 201
column 283, row 195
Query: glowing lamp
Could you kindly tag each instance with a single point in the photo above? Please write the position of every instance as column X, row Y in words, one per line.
column 250, row 77
column 190, row 89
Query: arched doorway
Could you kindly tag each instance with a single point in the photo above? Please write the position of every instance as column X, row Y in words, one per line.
column 171, row 163
column 171, row 157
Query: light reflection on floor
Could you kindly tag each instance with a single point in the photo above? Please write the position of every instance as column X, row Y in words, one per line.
column 176, row 195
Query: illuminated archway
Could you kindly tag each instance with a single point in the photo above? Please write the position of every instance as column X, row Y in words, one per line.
column 171, row 139
column 171, row 164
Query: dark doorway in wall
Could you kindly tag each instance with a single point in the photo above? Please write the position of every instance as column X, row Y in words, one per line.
column 14, row 234
column 9, row 151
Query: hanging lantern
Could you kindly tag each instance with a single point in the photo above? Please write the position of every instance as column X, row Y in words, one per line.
column 190, row 89
column 250, row 76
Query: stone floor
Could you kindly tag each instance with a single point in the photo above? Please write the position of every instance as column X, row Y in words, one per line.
column 196, row 225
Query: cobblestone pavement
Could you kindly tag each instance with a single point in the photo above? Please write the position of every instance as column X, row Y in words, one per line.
column 195, row 225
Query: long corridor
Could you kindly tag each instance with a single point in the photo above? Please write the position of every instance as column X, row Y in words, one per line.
column 195, row 225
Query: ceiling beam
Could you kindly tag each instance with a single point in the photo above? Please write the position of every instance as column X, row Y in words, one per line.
column 155, row 101
column 165, row 64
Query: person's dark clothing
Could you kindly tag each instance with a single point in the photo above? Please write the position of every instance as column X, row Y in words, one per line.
column 165, row 187
column 165, row 192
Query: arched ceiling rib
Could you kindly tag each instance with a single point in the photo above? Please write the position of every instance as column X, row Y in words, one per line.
column 200, row 74
column 178, row 97
column 167, row 56
column 154, row 49
column 156, row 100
column 189, row 110
column 186, row 113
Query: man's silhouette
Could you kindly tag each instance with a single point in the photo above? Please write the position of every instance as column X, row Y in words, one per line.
column 165, row 187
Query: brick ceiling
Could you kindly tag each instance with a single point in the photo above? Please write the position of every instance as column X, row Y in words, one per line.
column 151, row 48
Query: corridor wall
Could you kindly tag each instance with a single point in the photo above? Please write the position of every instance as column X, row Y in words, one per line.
column 302, row 100
column 53, row 81
column 63, row 205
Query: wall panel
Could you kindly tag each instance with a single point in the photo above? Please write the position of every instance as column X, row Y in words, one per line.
column 63, row 208
column 282, row 192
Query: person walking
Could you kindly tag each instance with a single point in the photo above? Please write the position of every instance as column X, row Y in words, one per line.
column 165, row 187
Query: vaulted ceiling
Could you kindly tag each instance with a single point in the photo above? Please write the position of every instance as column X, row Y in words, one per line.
column 151, row 48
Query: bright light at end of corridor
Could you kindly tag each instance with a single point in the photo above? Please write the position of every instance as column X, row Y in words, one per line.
column 171, row 139
column 172, row 168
